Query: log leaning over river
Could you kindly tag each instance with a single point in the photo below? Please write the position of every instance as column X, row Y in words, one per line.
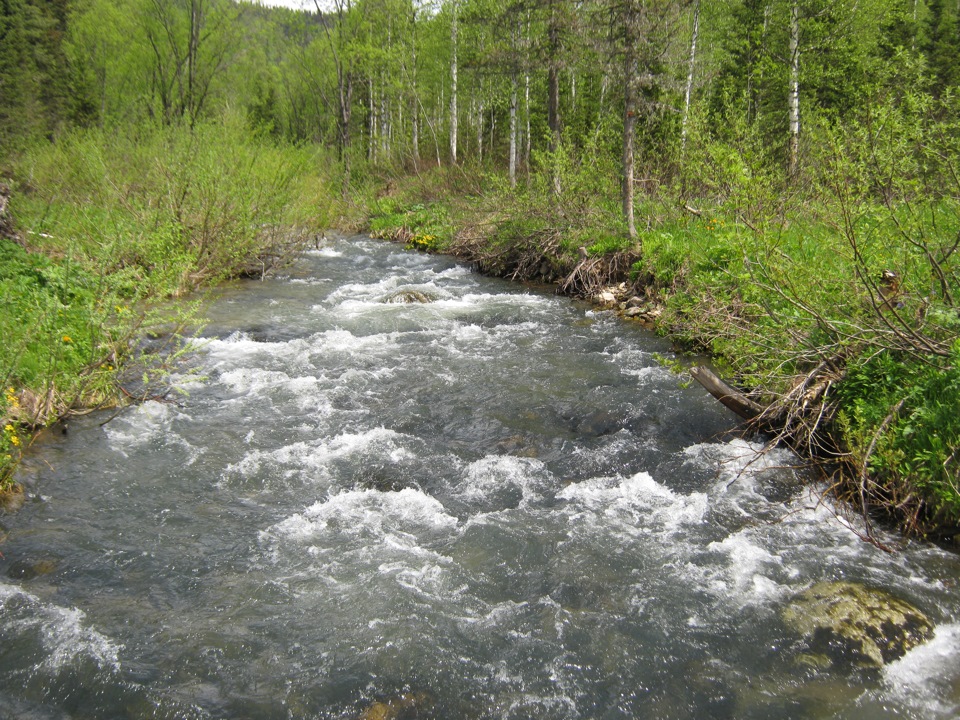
column 730, row 397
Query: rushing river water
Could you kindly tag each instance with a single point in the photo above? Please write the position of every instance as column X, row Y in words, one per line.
column 495, row 504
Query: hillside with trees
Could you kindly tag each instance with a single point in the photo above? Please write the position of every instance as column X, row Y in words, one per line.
column 778, row 178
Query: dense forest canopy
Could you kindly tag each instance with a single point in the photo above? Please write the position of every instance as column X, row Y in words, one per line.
column 405, row 82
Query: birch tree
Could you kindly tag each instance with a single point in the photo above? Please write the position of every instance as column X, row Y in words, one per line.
column 338, row 30
column 691, row 65
column 454, row 47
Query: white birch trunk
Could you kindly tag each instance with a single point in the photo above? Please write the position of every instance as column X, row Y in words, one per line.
column 415, row 110
column 513, row 130
column 691, row 64
column 453, row 84
column 794, row 99
column 372, row 143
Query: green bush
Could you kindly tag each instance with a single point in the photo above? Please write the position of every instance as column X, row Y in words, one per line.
column 907, row 412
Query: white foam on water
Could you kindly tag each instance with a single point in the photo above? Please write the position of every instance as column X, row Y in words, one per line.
column 239, row 351
column 255, row 381
column 488, row 479
column 343, row 341
column 367, row 515
column 311, row 459
column 738, row 463
column 358, row 297
column 637, row 502
column 147, row 422
column 927, row 679
column 428, row 581
column 744, row 577
column 62, row 631
column 647, row 376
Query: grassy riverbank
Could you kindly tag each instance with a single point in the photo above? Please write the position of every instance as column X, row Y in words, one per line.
column 833, row 308
column 107, row 228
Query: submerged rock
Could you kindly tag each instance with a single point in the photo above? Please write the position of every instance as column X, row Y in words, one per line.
column 870, row 626
column 398, row 708
column 409, row 296
column 26, row 570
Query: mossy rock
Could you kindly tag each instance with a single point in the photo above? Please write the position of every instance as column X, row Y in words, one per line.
column 867, row 626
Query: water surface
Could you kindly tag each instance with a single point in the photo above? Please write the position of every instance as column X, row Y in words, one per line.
column 495, row 504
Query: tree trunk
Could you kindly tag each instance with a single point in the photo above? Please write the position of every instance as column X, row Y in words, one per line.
column 345, row 95
column 794, row 99
column 629, row 124
column 691, row 64
column 553, row 91
column 371, row 126
column 414, row 110
column 513, row 130
column 453, row 85
column 526, row 106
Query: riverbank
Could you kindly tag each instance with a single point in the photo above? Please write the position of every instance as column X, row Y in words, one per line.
column 106, row 241
column 838, row 335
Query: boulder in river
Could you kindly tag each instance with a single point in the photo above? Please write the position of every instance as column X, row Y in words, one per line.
column 409, row 296
column 869, row 626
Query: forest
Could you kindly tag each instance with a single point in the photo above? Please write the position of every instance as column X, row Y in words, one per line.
column 779, row 179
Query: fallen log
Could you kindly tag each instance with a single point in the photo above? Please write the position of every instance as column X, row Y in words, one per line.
column 730, row 397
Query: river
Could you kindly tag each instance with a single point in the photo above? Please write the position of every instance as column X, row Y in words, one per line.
column 493, row 504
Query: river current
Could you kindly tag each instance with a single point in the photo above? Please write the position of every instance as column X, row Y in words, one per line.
column 493, row 504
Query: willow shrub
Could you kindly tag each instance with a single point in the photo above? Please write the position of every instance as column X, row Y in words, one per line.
column 173, row 208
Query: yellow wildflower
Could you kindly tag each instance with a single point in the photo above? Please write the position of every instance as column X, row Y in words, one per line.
column 15, row 441
column 67, row 339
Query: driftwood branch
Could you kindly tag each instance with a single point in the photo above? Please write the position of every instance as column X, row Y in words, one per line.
column 730, row 397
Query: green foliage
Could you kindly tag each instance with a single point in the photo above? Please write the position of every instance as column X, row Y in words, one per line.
column 607, row 244
column 171, row 208
column 906, row 410
column 419, row 226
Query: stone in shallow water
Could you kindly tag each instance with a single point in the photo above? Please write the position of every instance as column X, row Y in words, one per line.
column 403, row 707
column 409, row 296
column 869, row 625
column 27, row 570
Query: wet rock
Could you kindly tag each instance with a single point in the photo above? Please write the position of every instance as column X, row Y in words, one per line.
column 27, row 570
column 597, row 423
column 606, row 298
column 384, row 478
column 869, row 626
column 516, row 445
column 409, row 296
column 403, row 707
